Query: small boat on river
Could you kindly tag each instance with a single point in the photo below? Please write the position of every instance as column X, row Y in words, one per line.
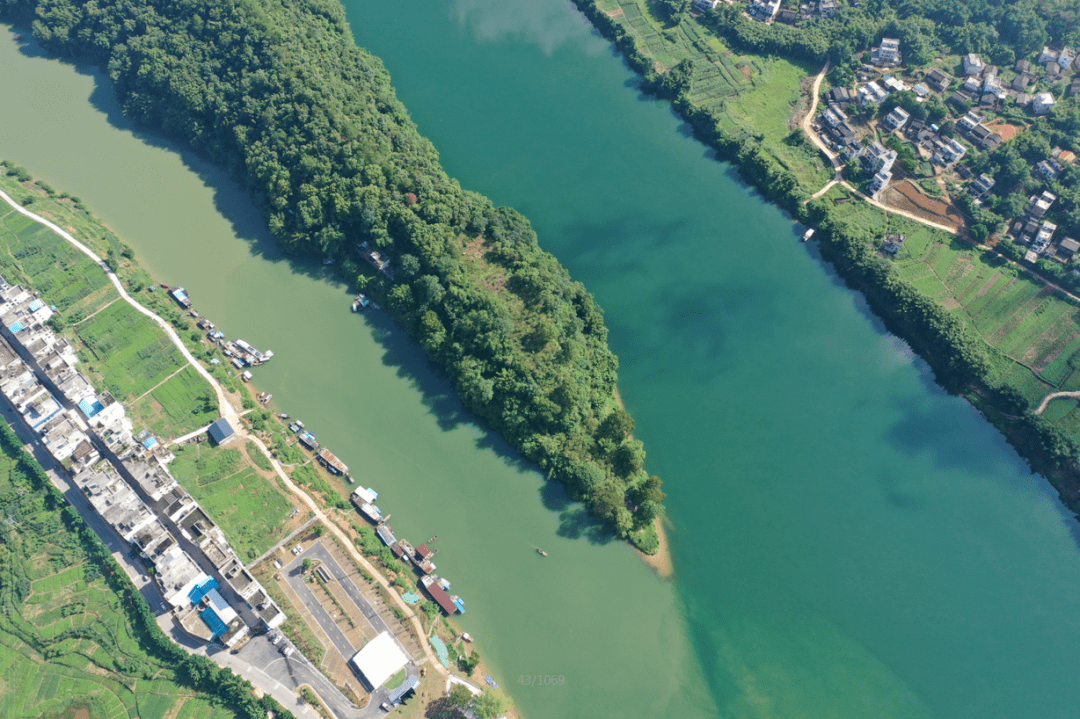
column 808, row 234
column 541, row 552
column 361, row 303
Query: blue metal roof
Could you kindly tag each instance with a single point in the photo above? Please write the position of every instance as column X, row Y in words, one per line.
column 90, row 408
column 16, row 327
column 199, row 590
column 214, row 622
column 36, row 305
column 150, row 443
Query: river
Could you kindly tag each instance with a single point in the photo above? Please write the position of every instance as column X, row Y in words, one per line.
column 848, row 540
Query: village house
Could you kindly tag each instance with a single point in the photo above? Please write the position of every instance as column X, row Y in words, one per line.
column 1023, row 81
column 881, row 179
column 973, row 64
column 871, row 94
column 840, row 96
column 704, row 5
column 787, row 16
column 937, row 80
column 877, row 158
column 980, row 186
column 893, row 243
column 1042, row 102
column 897, row 118
column 1047, row 56
column 828, row 8
column 949, row 153
column 1048, row 169
column 1067, row 248
column 1023, row 65
column 985, row 138
column 894, row 85
column 887, row 54
column 1039, row 204
column 969, row 122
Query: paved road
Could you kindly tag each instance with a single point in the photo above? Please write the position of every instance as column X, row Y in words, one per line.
column 292, row 572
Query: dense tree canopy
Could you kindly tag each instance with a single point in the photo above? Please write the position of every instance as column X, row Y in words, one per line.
column 278, row 92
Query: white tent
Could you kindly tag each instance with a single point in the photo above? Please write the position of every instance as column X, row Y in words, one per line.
column 380, row 659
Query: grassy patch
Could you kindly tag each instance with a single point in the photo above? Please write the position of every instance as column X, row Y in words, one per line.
column 257, row 457
column 249, row 509
column 396, row 680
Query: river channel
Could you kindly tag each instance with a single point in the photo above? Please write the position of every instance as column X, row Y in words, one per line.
column 848, row 540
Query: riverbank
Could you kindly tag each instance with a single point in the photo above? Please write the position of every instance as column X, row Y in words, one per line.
column 970, row 352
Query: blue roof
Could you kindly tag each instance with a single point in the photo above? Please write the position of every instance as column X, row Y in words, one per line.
column 36, row 305
column 214, row 622
column 90, row 408
column 199, row 590
column 150, row 443
column 221, row 430
column 16, row 327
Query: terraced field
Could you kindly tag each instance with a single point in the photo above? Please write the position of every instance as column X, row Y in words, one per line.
column 64, row 640
column 1033, row 329
column 736, row 88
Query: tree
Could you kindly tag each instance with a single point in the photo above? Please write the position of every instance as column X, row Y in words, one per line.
column 468, row 664
column 649, row 491
column 628, row 458
column 460, row 696
column 308, row 565
column 487, row 705
column 617, row 426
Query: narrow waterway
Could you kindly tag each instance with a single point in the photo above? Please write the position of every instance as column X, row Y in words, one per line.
column 849, row 541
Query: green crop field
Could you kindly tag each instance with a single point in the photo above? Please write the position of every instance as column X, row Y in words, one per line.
column 182, row 404
column 64, row 639
column 33, row 255
column 127, row 350
column 746, row 91
column 249, row 509
column 1034, row 329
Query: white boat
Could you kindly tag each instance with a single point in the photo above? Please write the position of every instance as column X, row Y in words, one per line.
column 808, row 234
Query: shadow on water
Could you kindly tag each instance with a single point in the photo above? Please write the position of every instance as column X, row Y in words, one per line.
column 400, row 351
column 230, row 199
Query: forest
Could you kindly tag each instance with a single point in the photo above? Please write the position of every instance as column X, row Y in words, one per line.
column 278, row 92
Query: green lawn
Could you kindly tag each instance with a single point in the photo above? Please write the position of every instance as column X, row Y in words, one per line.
column 249, row 509
column 65, row 642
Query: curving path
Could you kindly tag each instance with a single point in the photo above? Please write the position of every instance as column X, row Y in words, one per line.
column 1052, row 396
column 226, row 408
column 228, row 411
column 814, row 138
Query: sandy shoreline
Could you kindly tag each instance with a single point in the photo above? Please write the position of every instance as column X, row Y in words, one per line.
column 661, row 561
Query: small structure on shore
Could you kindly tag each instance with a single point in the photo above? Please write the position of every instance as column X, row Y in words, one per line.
column 221, row 432
column 379, row 660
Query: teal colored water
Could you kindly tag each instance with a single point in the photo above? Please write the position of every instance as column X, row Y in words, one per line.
column 849, row 541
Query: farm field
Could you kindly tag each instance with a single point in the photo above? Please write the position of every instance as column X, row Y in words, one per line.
column 182, row 404
column 250, row 509
column 744, row 91
column 127, row 351
column 1033, row 329
column 64, row 639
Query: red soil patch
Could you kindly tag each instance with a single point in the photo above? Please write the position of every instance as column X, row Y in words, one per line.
column 1004, row 129
column 905, row 196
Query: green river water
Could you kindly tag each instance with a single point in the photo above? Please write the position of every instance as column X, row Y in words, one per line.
column 849, row 541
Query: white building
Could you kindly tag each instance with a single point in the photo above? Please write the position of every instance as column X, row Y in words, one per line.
column 1042, row 102
column 871, row 94
column 973, row 64
column 897, row 118
column 879, row 182
column 379, row 660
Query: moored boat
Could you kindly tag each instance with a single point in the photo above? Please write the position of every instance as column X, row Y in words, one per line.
column 808, row 234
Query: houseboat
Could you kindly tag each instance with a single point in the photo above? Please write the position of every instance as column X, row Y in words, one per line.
column 178, row 294
column 252, row 355
column 331, row 462
column 361, row 303
column 434, row 588
column 386, row 534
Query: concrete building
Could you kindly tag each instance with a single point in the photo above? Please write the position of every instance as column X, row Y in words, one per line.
column 897, row 118
column 222, row 432
column 973, row 64
column 1042, row 102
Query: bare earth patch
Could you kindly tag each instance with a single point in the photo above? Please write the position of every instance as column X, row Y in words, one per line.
column 951, row 303
column 989, row 283
column 1004, row 129
column 906, row 196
